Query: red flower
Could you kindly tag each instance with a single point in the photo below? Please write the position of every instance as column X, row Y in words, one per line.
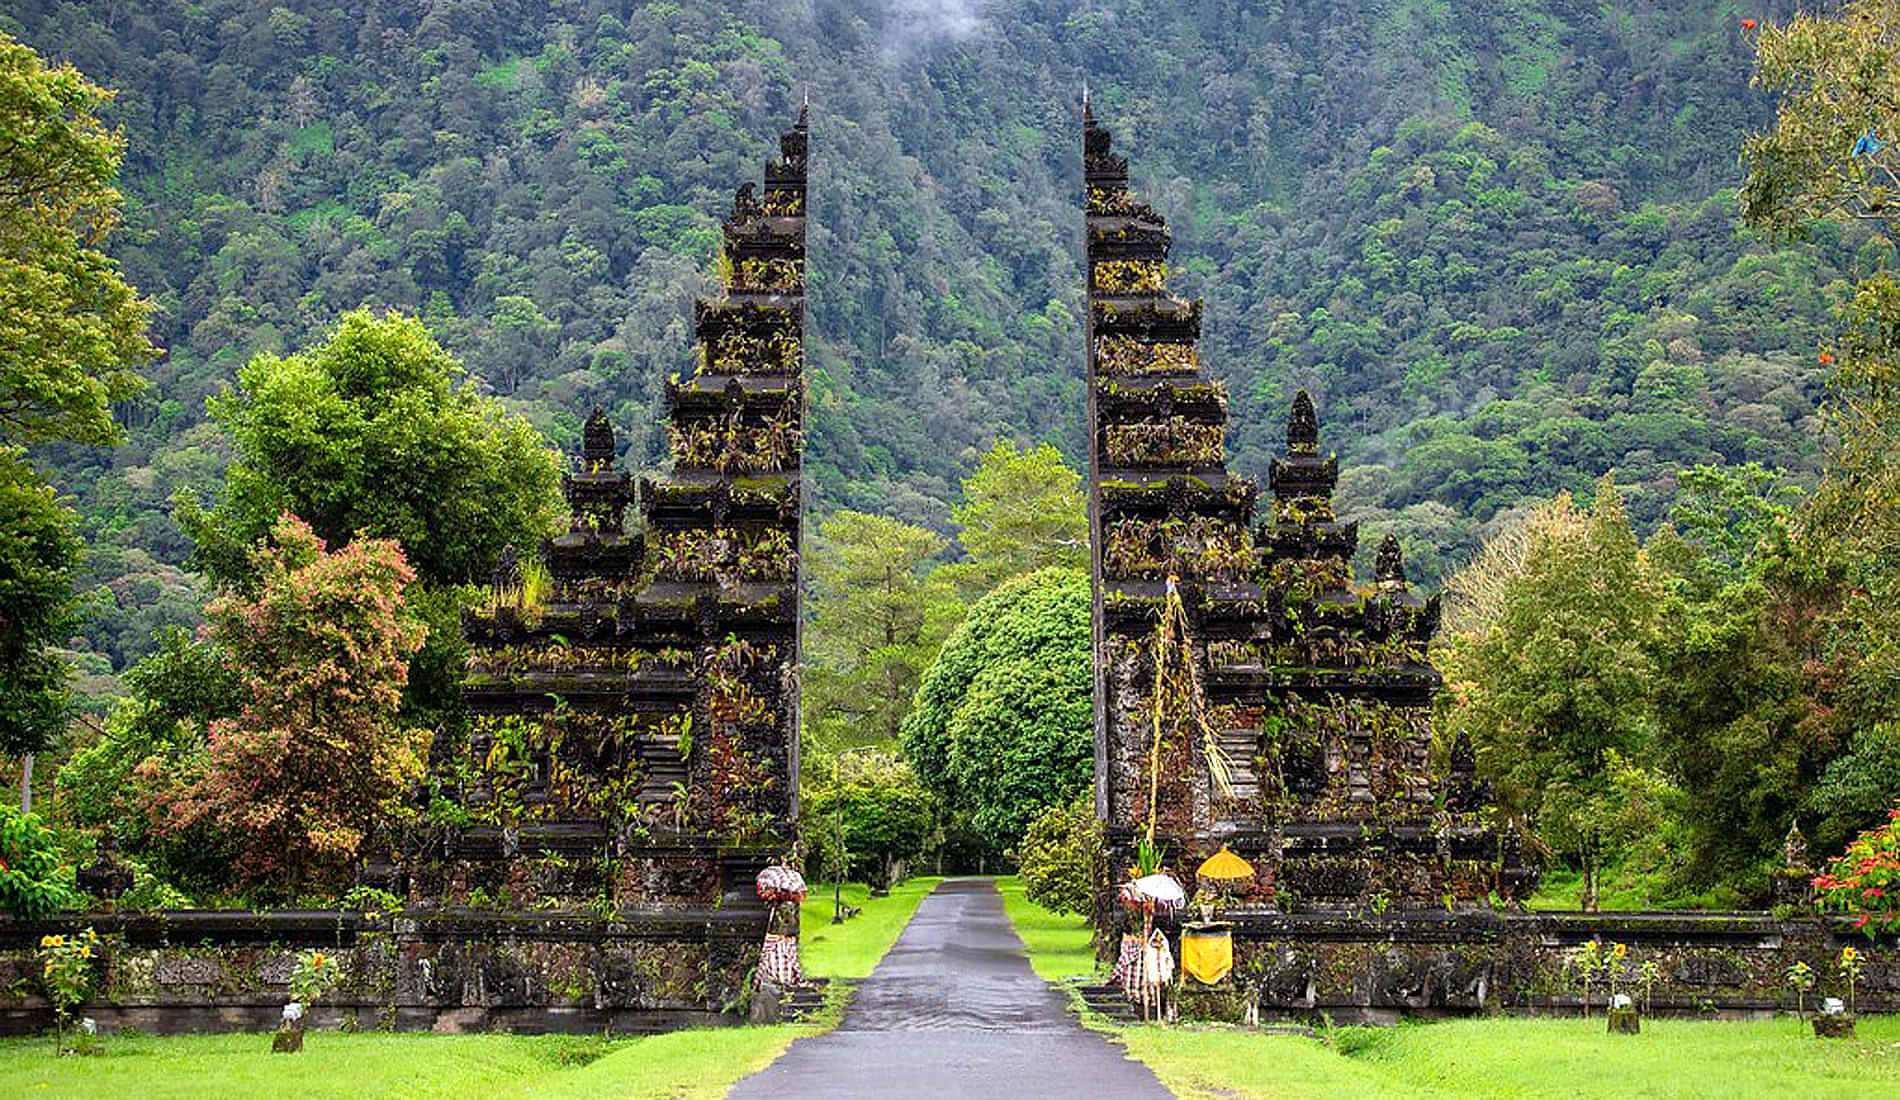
column 1826, row 358
column 1748, row 24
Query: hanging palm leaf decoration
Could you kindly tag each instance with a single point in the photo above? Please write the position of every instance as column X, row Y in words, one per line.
column 1178, row 700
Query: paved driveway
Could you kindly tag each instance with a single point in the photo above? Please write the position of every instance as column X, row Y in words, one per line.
column 954, row 1010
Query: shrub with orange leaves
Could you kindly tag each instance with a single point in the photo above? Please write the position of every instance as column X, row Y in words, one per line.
column 1864, row 881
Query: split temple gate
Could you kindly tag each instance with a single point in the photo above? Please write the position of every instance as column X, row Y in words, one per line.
column 633, row 757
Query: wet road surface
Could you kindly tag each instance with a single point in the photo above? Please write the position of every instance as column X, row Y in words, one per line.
column 955, row 1010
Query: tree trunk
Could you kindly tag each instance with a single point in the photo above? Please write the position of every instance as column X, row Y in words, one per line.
column 26, row 784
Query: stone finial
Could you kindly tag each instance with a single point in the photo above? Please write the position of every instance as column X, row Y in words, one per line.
column 508, row 570
column 1464, row 758
column 804, row 112
column 1389, row 566
column 745, row 202
column 1302, row 428
column 597, row 441
column 1794, row 850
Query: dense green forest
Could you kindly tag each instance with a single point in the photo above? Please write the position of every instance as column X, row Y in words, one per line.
column 1500, row 244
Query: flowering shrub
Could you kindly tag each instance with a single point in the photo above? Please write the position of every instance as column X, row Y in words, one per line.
column 1851, row 964
column 314, row 975
column 1865, row 879
column 317, row 757
column 66, row 969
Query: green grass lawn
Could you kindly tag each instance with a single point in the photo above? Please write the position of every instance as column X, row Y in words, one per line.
column 851, row 949
column 1059, row 946
column 1492, row 1057
column 690, row 1064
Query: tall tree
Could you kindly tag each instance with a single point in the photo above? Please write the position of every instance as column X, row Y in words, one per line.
column 70, row 327
column 1834, row 153
column 37, row 552
column 1557, row 676
column 317, row 757
column 878, row 615
column 375, row 430
column 1003, row 724
column 1022, row 510
column 1832, row 148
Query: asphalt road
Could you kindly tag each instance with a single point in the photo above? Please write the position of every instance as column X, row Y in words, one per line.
column 954, row 1010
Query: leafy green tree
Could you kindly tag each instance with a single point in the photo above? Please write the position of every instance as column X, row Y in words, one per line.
column 1558, row 676
column 1838, row 81
column 317, row 758
column 1023, row 509
column 176, row 692
column 70, row 326
column 1003, row 722
column 373, row 431
column 878, row 615
column 885, row 815
column 1062, row 859
column 37, row 551
column 37, row 880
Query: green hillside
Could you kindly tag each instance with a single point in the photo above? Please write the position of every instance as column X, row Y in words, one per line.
column 1496, row 240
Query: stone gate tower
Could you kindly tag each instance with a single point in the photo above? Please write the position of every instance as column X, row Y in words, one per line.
column 1316, row 760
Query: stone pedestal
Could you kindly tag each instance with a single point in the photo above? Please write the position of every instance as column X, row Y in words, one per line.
column 1624, row 1021
column 1834, row 1027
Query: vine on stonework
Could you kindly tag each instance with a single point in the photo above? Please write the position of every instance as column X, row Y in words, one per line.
column 774, row 353
column 730, row 445
column 717, row 553
column 776, row 274
column 516, row 660
column 564, row 764
column 729, row 797
column 1303, row 509
column 1306, row 578
column 1170, row 441
column 1202, row 546
column 1131, row 276
column 1127, row 355
column 1119, row 202
column 782, row 203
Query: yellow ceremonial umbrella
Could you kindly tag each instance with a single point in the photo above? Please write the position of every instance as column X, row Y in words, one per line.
column 1224, row 866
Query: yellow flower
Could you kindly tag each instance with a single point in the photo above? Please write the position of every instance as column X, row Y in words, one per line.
column 1848, row 954
column 1620, row 950
column 316, row 959
column 85, row 952
column 46, row 941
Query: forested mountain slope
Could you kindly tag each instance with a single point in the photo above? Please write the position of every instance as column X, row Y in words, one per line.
column 1494, row 237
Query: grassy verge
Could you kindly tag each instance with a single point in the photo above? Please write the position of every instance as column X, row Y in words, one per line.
column 1493, row 1057
column 1059, row 946
column 684, row 1064
column 692, row 1064
column 851, row 949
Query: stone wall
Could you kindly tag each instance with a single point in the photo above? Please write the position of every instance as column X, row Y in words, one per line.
column 465, row 970
column 1371, row 967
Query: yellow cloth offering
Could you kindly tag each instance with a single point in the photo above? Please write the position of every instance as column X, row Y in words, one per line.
column 1208, row 956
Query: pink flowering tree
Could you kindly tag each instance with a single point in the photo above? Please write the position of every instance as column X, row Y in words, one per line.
column 316, row 760
column 1865, row 880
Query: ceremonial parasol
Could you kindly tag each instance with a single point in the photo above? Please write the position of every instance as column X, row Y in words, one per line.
column 1223, row 867
column 1162, row 890
column 780, row 883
